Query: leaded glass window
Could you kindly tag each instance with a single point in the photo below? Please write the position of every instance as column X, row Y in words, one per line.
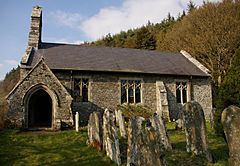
column 181, row 92
column 80, row 92
column 131, row 91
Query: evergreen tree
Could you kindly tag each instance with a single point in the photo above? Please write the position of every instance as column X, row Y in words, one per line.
column 229, row 91
column 119, row 39
column 144, row 39
column 191, row 6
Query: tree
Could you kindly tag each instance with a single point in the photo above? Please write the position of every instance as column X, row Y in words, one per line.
column 191, row 6
column 144, row 39
column 10, row 80
column 229, row 91
column 210, row 34
column 130, row 41
column 106, row 41
column 119, row 39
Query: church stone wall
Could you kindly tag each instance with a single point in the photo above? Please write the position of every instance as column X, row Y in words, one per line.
column 202, row 93
column 105, row 91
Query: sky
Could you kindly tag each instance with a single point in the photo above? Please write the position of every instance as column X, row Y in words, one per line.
column 75, row 21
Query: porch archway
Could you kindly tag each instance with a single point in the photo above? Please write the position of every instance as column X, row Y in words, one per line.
column 40, row 109
column 39, row 106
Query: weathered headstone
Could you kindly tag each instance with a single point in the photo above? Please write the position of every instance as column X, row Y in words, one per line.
column 110, row 137
column 134, row 141
column 195, row 129
column 144, row 144
column 77, row 121
column 158, row 124
column 121, row 122
column 231, row 125
column 179, row 124
column 179, row 121
column 95, row 130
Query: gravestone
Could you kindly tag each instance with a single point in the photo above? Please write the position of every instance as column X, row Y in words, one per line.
column 179, row 124
column 179, row 121
column 158, row 125
column 77, row 121
column 110, row 137
column 231, row 125
column 195, row 130
column 95, row 130
column 121, row 122
column 144, row 144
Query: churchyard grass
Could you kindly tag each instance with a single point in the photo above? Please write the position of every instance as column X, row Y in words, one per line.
column 48, row 148
column 178, row 156
column 69, row 148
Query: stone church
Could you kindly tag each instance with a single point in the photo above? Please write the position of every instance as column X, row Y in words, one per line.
column 57, row 80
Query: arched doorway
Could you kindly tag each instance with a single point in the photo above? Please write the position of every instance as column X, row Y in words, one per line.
column 40, row 109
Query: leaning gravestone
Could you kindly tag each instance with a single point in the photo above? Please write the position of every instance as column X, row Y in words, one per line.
column 121, row 122
column 144, row 144
column 95, row 130
column 195, row 129
column 158, row 125
column 231, row 125
column 110, row 137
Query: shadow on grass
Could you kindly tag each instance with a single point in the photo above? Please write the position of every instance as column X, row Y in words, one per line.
column 179, row 145
column 220, row 154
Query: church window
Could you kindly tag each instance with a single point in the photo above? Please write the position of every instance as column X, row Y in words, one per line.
column 80, row 91
column 181, row 92
column 131, row 91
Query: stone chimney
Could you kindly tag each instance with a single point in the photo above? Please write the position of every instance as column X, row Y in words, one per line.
column 34, row 38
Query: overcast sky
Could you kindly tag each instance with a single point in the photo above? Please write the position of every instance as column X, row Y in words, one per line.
column 75, row 21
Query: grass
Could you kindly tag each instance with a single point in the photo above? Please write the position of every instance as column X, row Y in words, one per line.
column 179, row 156
column 69, row 148
column 48, row 148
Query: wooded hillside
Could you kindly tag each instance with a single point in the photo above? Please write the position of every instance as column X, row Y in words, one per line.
column 6, row 86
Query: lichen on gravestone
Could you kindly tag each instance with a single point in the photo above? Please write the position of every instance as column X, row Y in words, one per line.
column 145, row 145
column 159, row 126
column 195, row 130
column 121, row 122
column 231, row 125
column 95, row 130
column 110, row 137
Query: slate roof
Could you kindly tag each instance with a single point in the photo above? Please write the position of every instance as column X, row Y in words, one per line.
column 95, row 58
